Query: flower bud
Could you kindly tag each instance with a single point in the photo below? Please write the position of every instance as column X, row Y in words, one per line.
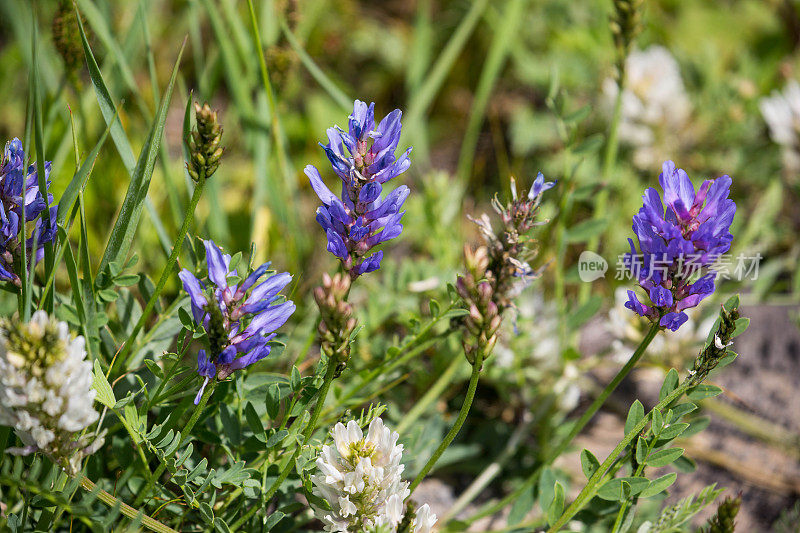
column 204, row 144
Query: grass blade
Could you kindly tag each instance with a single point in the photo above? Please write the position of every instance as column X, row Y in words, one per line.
column 125, row 226
column 496, row 58
column 324, row 81
column 422, row 99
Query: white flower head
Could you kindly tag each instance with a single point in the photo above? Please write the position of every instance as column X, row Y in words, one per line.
column 46, row 390
column 654, row 101
column 360, row 478
column 781, row 112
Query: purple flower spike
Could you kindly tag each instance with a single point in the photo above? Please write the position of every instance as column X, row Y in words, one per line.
column 20, row 194
column 679, row 241
column 364, row 157
column 239, row 321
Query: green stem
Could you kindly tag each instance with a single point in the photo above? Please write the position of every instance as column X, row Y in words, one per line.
column 187, row 429
column 288, row 184
column 462, row 416
column 637, row 473
column 576, row 428
column 588, row 491
column 127, row 510
column 308, row 431
column 165, row 274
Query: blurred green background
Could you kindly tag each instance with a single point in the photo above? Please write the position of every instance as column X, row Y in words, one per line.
column 473, row 79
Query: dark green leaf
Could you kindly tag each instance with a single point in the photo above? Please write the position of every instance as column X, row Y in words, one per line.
column 657, row 486
column 273, row 401
column 635, row 415
column 254, row 421
column 669, row 385
column 589, row 463
column 663, row 457
column 612, row 490
column 703, row 391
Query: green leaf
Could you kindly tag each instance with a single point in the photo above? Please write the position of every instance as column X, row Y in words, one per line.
column 273, row 520
column 126, row 280
column 273, row 401
column 696, row 426
column 657, row 422
column 682, row 409
column 613, row 490
column 657, row 486
column 672, row 431
column 119, row 241
column 254, row 422
column 153, row 367
column 732, row 303
column 589, row 463
column 206, row 512
column 741, row 326
column 557, row 505
column 296, row 379
column 276, row 438
column 703, row 391
column 105, row 394
column 729, row 357
column 221, row 526
column 669, row 385
column 685, row 464
column 635, row 415
column 663, row 457
column 521, row 507
column 454, row 313
column 641, row 449
column 434, row 307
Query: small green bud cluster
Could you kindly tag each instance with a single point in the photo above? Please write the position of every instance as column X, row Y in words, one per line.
column 67, row 40
column 204, row 144
column 483, row 320
column 625, row 25
column 724, row 521
column 337, row 322
column 717, row 348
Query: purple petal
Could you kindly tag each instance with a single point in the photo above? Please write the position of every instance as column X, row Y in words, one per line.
column 217, row 271
column 192, row 286
column 673, row 321
column 318, row 185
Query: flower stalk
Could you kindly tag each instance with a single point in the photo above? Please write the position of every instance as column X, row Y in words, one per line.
column 204, row 155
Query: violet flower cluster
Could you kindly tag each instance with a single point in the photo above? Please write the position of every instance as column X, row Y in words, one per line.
column 679, row 243
column 239, row 322
column 364, row 159
column 19, row 190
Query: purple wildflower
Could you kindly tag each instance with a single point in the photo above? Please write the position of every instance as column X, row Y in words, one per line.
column 364, row 159
column 679, row 244
column 19, row 190
column 240, row 320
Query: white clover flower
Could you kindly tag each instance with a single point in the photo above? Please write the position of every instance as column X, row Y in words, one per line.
column 46, row 389
column 781, row 112
column 655, row 106
column 360, row 478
